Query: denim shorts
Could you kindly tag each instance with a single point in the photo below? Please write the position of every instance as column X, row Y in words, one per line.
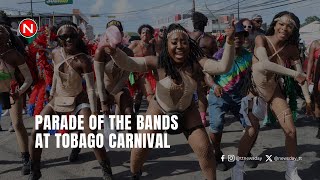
column 219, row 106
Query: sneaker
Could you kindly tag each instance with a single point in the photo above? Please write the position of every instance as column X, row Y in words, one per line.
column 5, row 113
column 11, row 129
column 252, row 163
column 293, row 175
column 237, row 173
column 221, row 165
column 74, row 155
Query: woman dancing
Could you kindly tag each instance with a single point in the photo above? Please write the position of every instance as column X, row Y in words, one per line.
column 111, row 80
column 71, row 63
column 12, row 66
column 313, row 77
column 177, row 65
column 272, row 61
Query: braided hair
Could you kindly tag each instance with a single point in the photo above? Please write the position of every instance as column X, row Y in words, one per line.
column 81, row 45
column 294, row 38
column 166, row 62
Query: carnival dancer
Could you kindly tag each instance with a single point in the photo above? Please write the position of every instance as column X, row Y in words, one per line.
column 12, row 67
column 111, row 80
column 209, row 46
column 225, row 94
column 177, row 67
column 272, row 61
column 71, row 63
column 313, row 74
column 40, row 51
column 142, row 83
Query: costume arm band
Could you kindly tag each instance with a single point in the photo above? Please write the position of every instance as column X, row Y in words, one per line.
column 89, row 78
column 54, row 84
column 297, row 65
column 136, row 64
column 261, row 54
column 99, row 70
column 27, row 78
column 224, row 65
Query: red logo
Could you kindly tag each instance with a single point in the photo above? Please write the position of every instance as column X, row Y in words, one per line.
column 28, row 28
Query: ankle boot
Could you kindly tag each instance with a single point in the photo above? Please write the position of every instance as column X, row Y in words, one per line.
column 136, row 176
column 35, row 173
column 25, row 163
column 318, row 135
column 106, row 169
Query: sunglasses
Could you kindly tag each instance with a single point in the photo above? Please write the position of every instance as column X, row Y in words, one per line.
column 65, row 36
column 258, row 21
column 249, row 27
column 162, row 30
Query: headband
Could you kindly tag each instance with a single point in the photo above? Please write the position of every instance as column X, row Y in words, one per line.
column 176, row 31
column 4, row 27
column 287, row 20
column 66, row 26
column 114, row 23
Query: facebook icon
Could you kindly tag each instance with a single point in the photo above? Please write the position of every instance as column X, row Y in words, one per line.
column 222, row 158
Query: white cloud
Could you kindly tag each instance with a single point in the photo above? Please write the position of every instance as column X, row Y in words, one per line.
column 120, row 6
column 96, row 7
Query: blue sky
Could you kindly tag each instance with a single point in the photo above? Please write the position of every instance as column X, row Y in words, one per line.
column 132, row 21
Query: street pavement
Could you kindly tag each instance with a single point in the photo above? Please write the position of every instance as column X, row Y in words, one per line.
column 178, row 162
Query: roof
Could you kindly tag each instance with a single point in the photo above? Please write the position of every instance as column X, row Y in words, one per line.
column 311, row 27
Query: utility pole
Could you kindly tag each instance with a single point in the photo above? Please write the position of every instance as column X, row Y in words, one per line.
column 31, row 9
column 31, row 3
column 238, row 11
column 193, row 6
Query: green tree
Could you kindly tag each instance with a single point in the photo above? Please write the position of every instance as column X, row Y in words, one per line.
column 310, row 19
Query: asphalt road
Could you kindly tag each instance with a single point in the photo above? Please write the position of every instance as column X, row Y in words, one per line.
column 178, row 162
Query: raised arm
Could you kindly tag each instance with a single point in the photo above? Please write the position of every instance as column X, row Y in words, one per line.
column 265, row 64
column 213, row 67
column 133, row 64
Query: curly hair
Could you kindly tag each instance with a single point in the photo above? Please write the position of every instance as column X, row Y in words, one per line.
column 81, row 45
column 166, row 62
column 199, row 21
column 146, row 26
column 294, row 38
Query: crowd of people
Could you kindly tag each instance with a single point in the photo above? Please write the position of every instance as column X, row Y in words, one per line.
column 254, row 74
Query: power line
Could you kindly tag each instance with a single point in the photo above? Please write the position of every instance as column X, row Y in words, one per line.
column 142, row 10
column 265, row 8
